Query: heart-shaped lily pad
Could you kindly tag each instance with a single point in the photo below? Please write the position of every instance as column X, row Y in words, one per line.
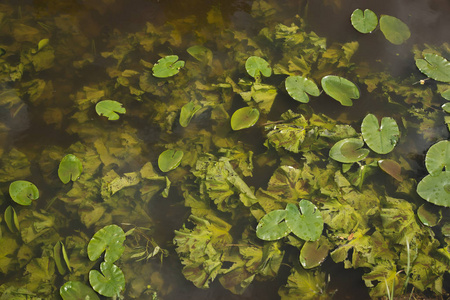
column 23, row 192
column 348, row 151
column 340, row 89
column 430, row 215
column 256, row 65
column 364, row 21
column 109, row 239
column 110, row 282
column 436, row 189
column 298, row 87
column 381, row 139
column 434, row 66
column 391, row 167
column 244, row 118
column 314, row 253
column 110, row 109
column 169, row 159
column 272, row 226
column 308, row 224
column 167, row 66
column 11, row 219
column 187, row 113
column 394, row 30
column 75, row 290
column 438, row 157
column 70, row 168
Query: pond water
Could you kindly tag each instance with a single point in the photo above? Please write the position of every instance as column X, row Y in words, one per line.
column 191, row 232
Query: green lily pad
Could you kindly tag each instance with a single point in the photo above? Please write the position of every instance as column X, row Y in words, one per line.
column 23, row 192
column 438, row 157
column 109, row 239
column 244, row 118
column 61, row 259
column 272, row 226
column 436, row 189
column 256, row 66
column 187, row 113
column 110, row 109
column 75, row 290
column 167, row 66
column 110, row 282
column 394, row 30
column 70, row 168
column 307, row 223
column 381, row 139
column 364, row 21
column 429, row 214
column 169, row 159
column 435, row 67
column 446, row 95
column 348, row 151
column 340, row 89
column 391, row 167
column 11, row 219
column 299, row 87
column 314, row 253
column 200, row 53
column 446, row 107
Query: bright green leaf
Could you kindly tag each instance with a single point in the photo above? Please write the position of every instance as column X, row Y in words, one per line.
column 256, row 65
column 307, row 223
column 435, row 67
column 438, row 158
column 70, row 168
column 23, row 192
column 110, row 109
column 381, row 139
column 348, row 151
column 364, row 22
column 394, row 30
column 170, row 159
column 445, row 94
column 340, row 89
column 446, row 107
column 299, row 87
column 272, row 226
column 436, row 189
column 187, row 113
column 75, row 290
column 244, row 118
column 110, row 282
column 109, row 239
column 167, row 66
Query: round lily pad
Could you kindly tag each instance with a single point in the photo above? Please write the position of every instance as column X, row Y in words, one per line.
column 391, row 167
column 256, row 65
column 110, row 109
column 348, row 151
column 314, row 253
column 187, row 113
column 244, row 118
column 307, row 223
column 272, row 226
column 167, row 66
column 394, row 30
column 429, row 214
column 110, row 240
column 75, row 290
column 70, row 168
column 110, row 282
column 438, row 157
column 380, row 138
column 298, row 87
column 364, row 21
column 169, row 159
column 23, row 192
column 435, row 67
column 436, row 189
column 340, row 89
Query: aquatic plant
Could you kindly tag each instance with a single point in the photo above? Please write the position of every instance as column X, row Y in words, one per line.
column 110, row 109
column 23, row 192
column 70, row 168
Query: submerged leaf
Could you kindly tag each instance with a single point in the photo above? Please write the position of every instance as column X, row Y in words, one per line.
column 110, row 282
column 256, row 65
column 70, row 168
column 110, row 240
column 340, row 89
column 167, row 66
column 170, row 159
column 272, row 226
column 365, row 21
column 429, row 215
column 23, row 192
column 314, row 253
column 308, row 224
column 299, row 87
column 61, row 258
column 110, row 109
column 438, row 158
column 348, row 151
column 436, row 189
column 187, row 113
column 380, row 138
column 75, row 290
column 11, row 219
column 391, row 167
column 394, row 30
column 435, row 66
column 244, row 118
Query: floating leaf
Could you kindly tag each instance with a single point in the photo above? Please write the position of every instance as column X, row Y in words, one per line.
column 11, row 219
column 438, row 157
column 299, row 87
column 256, row 65
column 365, row 21
column 391, row 167
column 436, row 189
column 23, row 192
column 110, row 109
column 394, row 30
column 272, row 226
column 307, row 223
column 169, row 159
column 435, row 67
column 381, row 139
column 187, row 113
column 200, row 53
column 167, row 66
column 348, row 151
column 75, row 290
column 340, row 89
column 446, row 107
column 445, row 94
column 429, row 214
column 70, row 168
column 109, row 239
column 110, row 282
column 244, row 118
column 314, row 253
column 61, row 259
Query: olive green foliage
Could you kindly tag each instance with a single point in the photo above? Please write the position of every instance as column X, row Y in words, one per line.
column 110, row 109
column 394, row 30
column 244, row 118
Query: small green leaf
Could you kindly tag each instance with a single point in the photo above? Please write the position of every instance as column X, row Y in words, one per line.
column 272, row 227
column 11, row 219
column 75, row 290
column 445, row 94
column 381, row 139
column 244, row 118
column 110, row 109
column 436, row 189
column 110, row 282
column 391, row 167
column 167, row 66
column 42, row 43
column 438, row 158
column 340, row 89
column 394, row 30
column 364, row 22
column 348, row 151
column 201, row 53
column 70, row 168
column 307, row 223
column 435, row 67
column 109, row 239
column 256, row 65
column 187, row 113
column 314, row 253
column 446, row 107
column 169, row 159
column 23, row 192
column 299, row 87
column 61, row 259
column 429, row 214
